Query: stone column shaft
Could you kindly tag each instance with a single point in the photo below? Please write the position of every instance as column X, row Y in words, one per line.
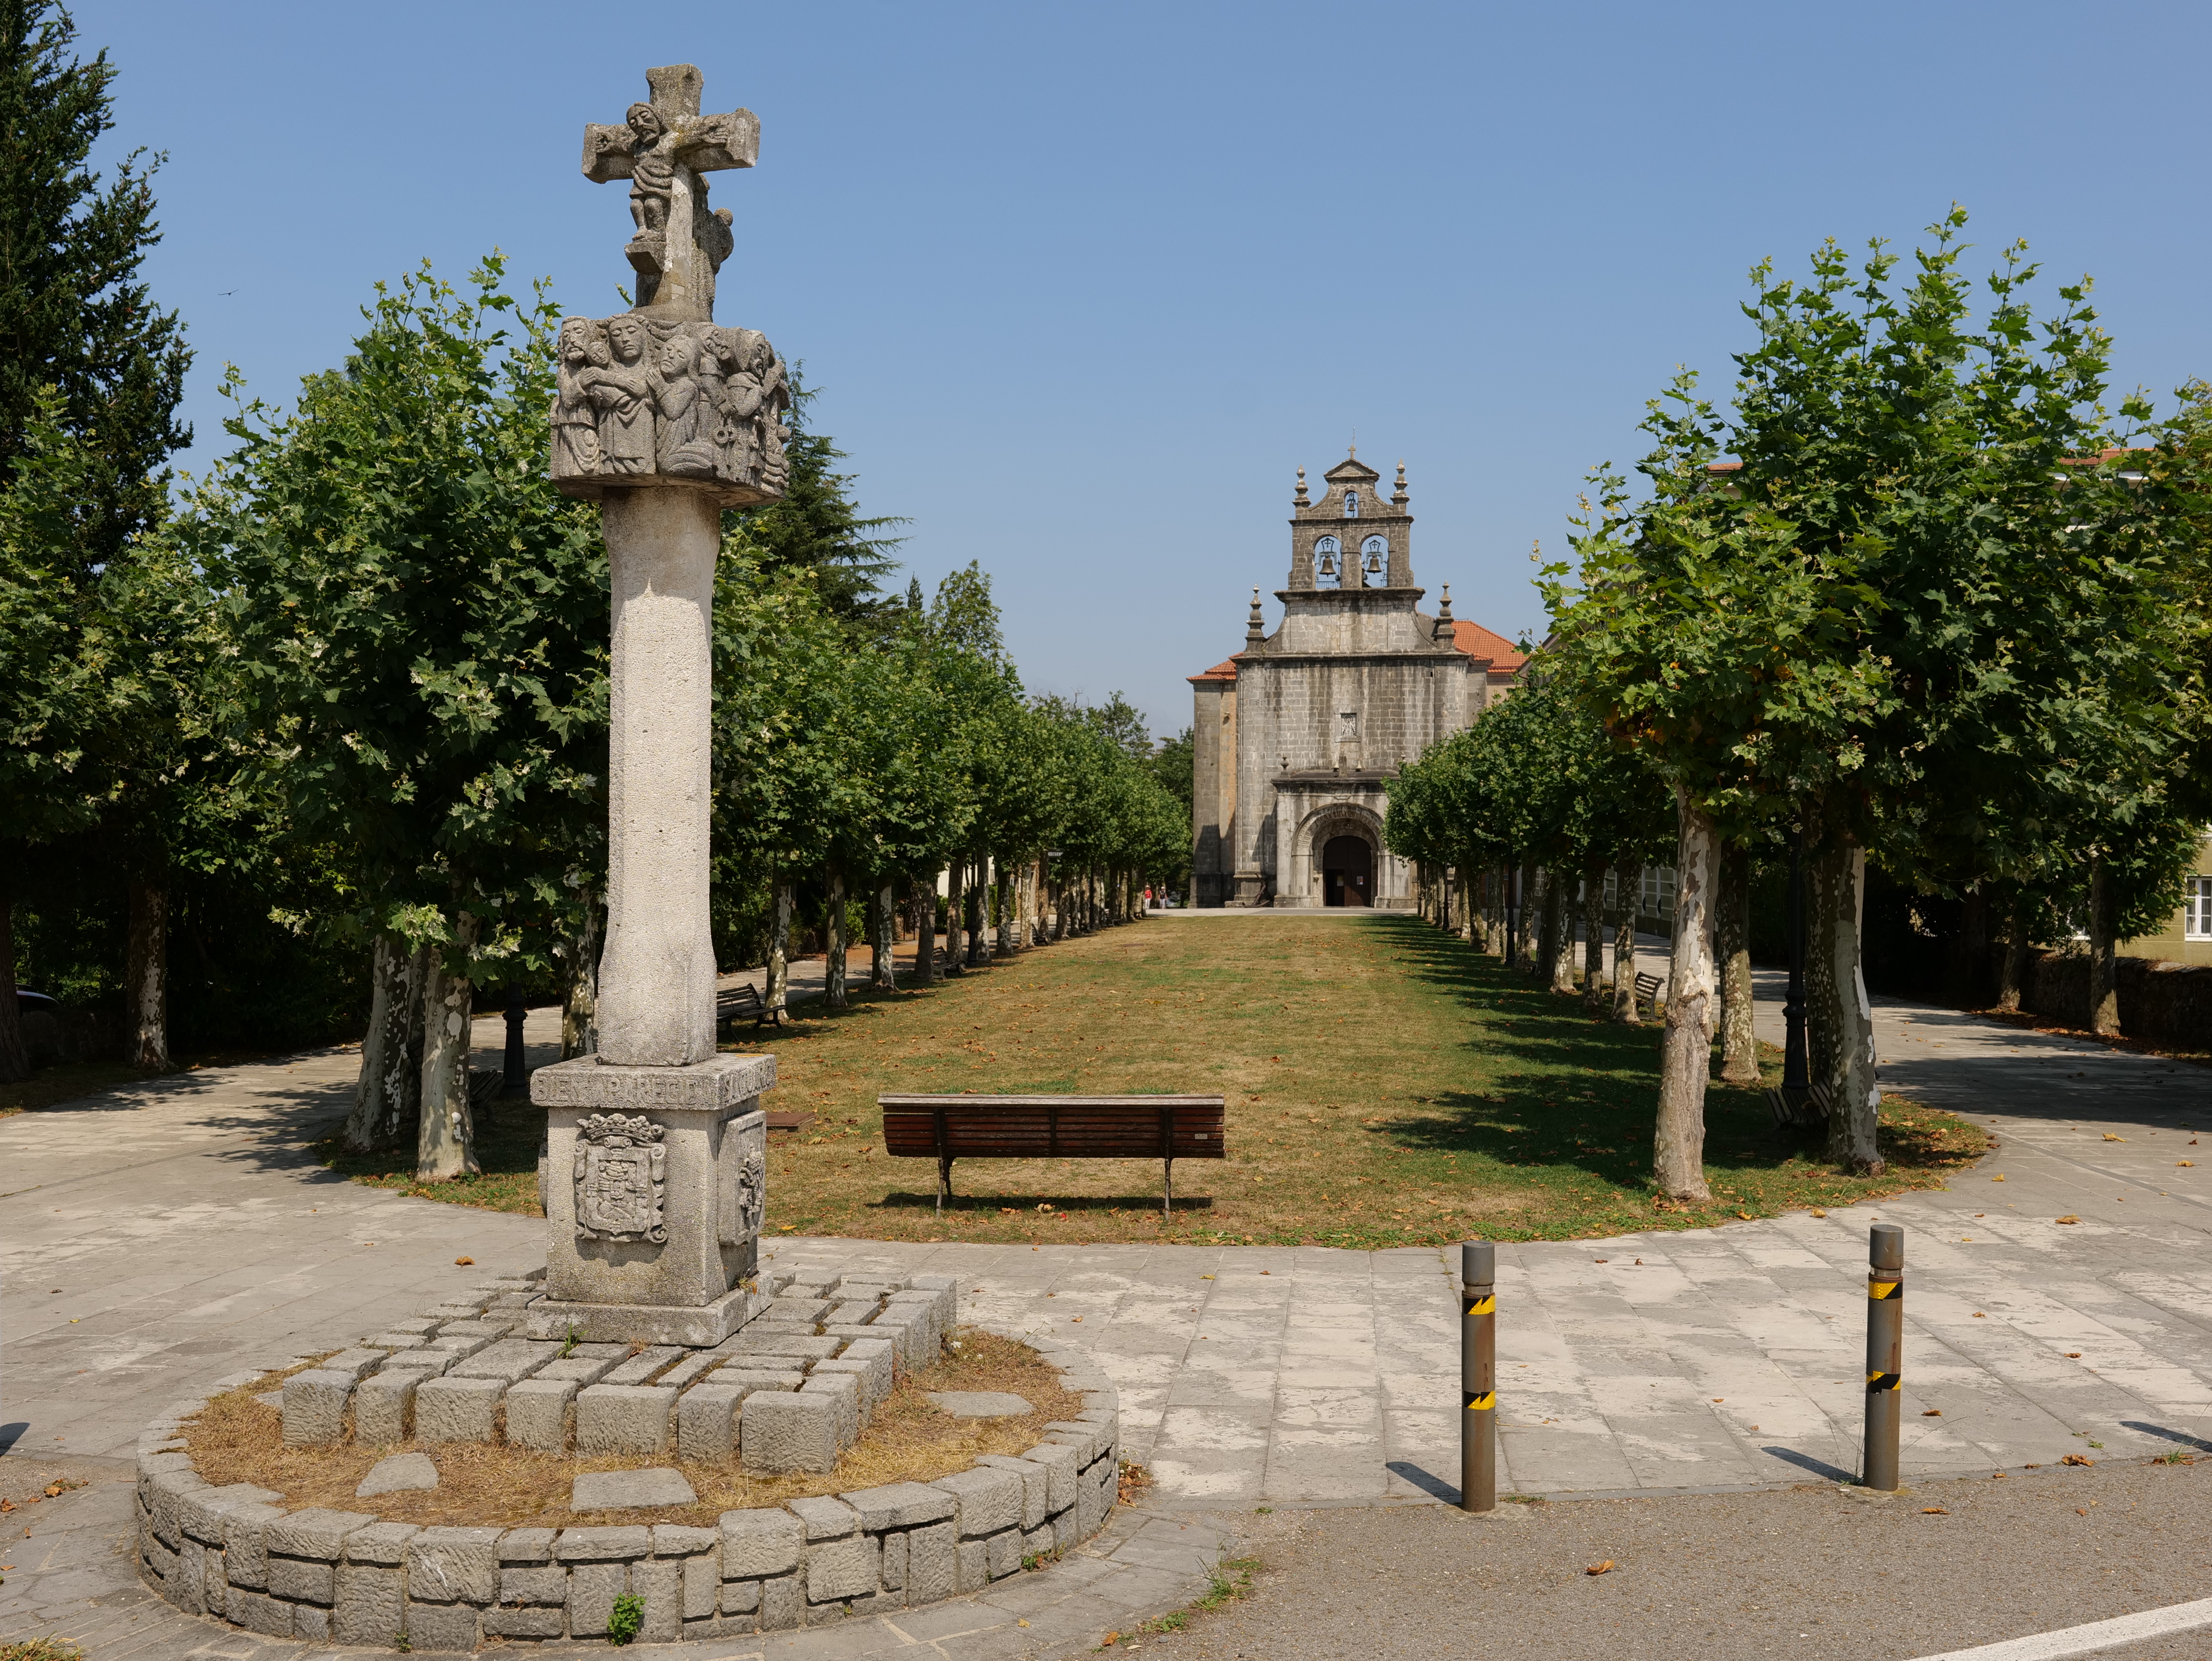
column 657, row 973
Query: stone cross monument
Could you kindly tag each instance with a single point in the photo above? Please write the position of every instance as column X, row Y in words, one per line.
column 656, row 1149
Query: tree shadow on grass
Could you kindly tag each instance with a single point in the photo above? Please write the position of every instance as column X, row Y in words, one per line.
column 1575, row 1091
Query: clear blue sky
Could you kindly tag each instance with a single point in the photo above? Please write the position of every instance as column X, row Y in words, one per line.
column 1081, row 285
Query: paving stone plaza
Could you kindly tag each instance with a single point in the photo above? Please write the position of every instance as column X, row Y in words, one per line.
column 192, row 1239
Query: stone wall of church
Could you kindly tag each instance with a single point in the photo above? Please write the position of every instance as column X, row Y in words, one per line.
column 1213, row 789
column 1294, row 712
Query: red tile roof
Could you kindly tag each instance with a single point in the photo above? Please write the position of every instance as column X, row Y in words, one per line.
column 1478, row 641
column 1224, row 670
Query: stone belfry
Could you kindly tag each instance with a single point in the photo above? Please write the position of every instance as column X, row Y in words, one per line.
column 1351, row 538
column 1298, row 736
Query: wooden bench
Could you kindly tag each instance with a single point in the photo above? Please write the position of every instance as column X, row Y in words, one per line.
column 1794, row 1106
column 1647, row 991
column 949, row 1128
column 743, row 999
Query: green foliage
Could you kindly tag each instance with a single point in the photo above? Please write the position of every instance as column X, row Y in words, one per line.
column 74, row 315
column 1536, row 781
column 625, row 1619
column 817, row 527
column 1921, row 608
column 1173, row 765
column 419, row 618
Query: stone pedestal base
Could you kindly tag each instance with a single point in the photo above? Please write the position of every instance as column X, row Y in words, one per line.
column 700, row 1327
column 655, row 1181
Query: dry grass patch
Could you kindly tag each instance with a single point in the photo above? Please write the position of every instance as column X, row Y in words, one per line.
column 1387, row 1085
column 238, row 1439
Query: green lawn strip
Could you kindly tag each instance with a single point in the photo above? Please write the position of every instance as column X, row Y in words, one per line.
column 1387, row 1085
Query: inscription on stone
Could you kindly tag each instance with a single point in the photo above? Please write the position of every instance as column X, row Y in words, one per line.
column 620, row 1178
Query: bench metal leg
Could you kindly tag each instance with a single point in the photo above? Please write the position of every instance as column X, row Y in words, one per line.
column 1167, row 1194
column 943, row 1182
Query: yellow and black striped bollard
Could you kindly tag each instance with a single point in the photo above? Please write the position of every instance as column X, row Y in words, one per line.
column 1477, row 1376
column 1885, row 1352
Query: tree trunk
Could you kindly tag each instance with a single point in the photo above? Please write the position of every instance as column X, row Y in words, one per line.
column 388, row 1093
column 1002, row 890
column 833, row 973
column 1548, row 927
column 776, row 998
column 146, row 977
column 445, row 1145
column 15, row 1059
column 1594, row 932
column 1839, row 1022
column 1739, row 1043
column 2014, row 971
column 1686, row 1054
column 2104, row 1012
column 955, row 899
column 1561, row 912
column 924, row 903
column 580, row 990
column 971, row 921
column 1968, row 969
column 1628, row 879
column 883, row 937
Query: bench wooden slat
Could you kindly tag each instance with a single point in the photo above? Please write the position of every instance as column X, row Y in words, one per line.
column 966, row 1127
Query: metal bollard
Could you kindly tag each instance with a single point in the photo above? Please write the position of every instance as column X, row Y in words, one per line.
column 1477, row 1376
column 1885, row 1352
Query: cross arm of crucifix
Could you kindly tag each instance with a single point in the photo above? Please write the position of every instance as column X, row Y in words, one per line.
column 704, row 143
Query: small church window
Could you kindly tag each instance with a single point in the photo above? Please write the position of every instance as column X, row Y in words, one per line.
column 1351, row 504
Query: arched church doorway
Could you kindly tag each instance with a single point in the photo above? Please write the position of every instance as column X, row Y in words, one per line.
column 1347, row 872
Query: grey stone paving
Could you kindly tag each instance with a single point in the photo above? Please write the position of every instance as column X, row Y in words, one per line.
column 191, row 1236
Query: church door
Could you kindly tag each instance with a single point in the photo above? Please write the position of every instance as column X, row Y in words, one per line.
column 1347, row 872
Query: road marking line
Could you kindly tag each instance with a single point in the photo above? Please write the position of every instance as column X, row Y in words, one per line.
column 2088, row 1639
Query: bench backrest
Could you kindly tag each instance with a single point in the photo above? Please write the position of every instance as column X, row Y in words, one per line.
column 1054, row 1127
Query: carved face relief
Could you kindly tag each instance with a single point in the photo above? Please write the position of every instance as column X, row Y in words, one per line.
column 620, row 1176
column 645, row 122
column 626, row 336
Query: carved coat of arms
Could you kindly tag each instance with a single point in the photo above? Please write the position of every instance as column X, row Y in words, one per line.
column 622, row 1173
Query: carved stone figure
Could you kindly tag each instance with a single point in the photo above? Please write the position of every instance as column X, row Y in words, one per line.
column 582, row 347
column 623, row 394
column 659, row 395
column 620, row 1178
column 682, row 404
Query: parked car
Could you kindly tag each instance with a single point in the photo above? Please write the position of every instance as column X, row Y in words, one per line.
column 28, row 1002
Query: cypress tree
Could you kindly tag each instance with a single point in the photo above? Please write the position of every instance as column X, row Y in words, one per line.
column 91, row 372
column 74, row 312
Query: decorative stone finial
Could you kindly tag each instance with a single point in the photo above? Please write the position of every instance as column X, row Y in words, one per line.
column 659, row 395
column 1443, row 630
column 1398, row 495
column 1299, row 500
column 1255, row 628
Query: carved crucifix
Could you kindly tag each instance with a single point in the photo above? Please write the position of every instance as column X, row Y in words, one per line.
column 662, row 149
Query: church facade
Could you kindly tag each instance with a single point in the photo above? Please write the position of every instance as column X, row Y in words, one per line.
column 1296, row 735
